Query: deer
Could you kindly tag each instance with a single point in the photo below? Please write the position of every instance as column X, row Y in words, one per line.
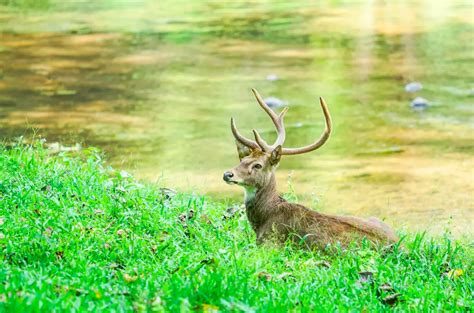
column 274, row 218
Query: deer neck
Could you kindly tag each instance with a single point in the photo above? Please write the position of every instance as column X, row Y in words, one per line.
column 261, row 202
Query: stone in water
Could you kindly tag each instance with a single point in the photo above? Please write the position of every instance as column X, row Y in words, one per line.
column 413, row 87
column 275, row 102
column 419, row 104
column 272, row 77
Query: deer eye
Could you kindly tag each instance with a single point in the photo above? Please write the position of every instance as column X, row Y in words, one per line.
column 257, row 166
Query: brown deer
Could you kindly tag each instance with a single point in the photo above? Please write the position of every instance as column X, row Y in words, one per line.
column 271, row 216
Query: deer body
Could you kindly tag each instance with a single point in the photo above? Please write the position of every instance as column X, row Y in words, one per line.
column 272, row 217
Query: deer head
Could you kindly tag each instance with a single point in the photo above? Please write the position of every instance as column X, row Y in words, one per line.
column 258, row 159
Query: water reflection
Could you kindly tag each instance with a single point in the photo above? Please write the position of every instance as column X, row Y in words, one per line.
column 154, row 85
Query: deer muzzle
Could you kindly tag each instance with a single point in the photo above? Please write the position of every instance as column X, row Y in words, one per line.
column 228, row 177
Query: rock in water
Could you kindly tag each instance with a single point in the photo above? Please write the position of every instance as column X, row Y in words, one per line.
column 419, row 104
column 275, row 102
column 413, row 87
column 272, row 77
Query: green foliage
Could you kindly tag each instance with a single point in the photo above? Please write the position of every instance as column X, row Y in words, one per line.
column 76, row 235
column 26, row 4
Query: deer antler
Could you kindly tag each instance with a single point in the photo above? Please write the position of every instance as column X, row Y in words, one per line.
column 324, row 137
column 277, row 120
column 246, row 142
column 259, row 143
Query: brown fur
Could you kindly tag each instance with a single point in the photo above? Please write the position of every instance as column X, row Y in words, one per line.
column 272, row 216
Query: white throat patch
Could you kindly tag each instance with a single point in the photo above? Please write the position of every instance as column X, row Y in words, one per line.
column 250, row 193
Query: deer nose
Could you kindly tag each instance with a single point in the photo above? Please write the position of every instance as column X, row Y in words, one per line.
column 228, row 175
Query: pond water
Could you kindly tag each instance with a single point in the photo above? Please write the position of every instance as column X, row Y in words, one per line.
column 154, row 84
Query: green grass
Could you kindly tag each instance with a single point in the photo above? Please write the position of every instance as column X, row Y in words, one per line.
column 76, row 235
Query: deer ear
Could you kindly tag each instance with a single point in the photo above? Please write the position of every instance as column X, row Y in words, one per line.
column 275, row 156
column 242, row 150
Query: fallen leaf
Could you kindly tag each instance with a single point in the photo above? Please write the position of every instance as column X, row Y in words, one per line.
column 61, row 289
column 106, row 246
column 98, row 295
column 365, row 278
column 208, row 261
column 231, row 212
column 208, row 308
column 318, row 263
column 116, row 266
column 59, row 255
column 2, row 236
column 205, row 219
column 285, row 276
column 168, row 192
column 386, row 287
column 81, row 291
column 164, row 236
column 391, row 299
column 46, row 188
column 48, row 231
column 264, row 276
column 186, row 216
column 2, row 221
column 121, row 232
column 129, row 279
column 455, row 273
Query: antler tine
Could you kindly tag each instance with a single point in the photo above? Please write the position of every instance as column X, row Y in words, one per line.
column 324, row 137
column 277, row 120
column 264, row 106
column 262, row 143
column 247, row 142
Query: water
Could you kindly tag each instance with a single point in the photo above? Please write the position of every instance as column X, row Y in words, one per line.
column 154, row 84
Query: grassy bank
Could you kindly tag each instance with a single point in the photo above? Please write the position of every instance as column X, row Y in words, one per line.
column 77, row 235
